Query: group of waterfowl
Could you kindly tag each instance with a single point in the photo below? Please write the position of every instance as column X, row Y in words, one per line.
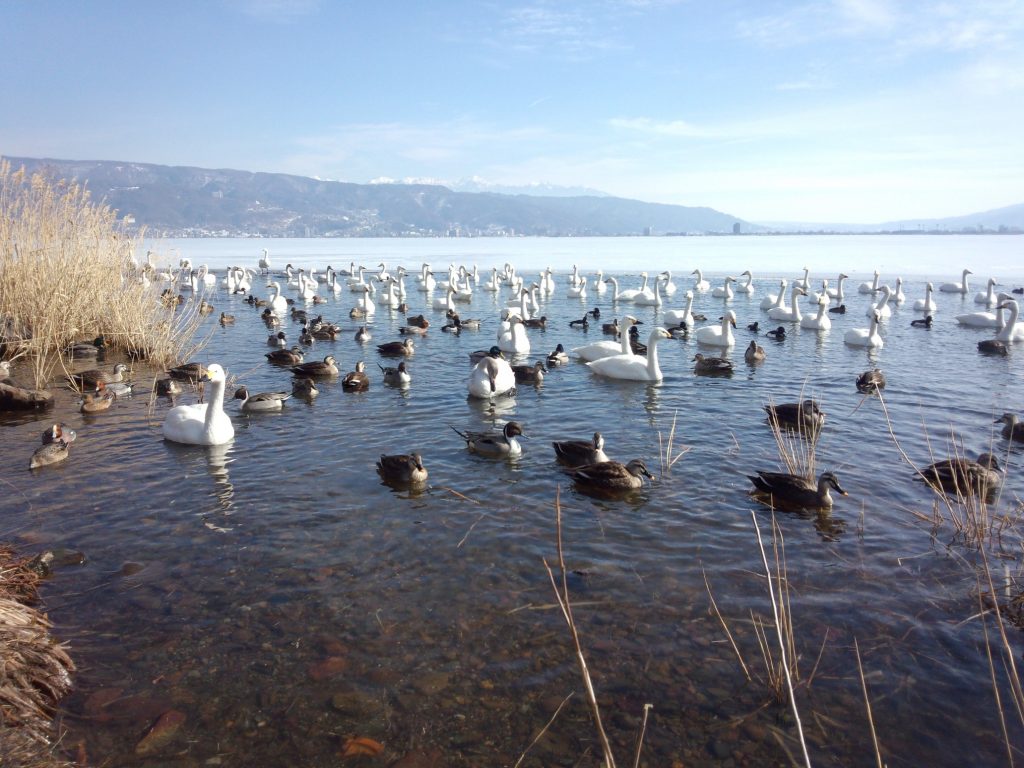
column 492, row 376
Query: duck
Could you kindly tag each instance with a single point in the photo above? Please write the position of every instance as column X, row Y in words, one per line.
column 357, row 380
column 202, row 423
column 89, row 379
column 865, row 337
column 754, row 327
column 927, row 304
column 1013, row 429
column 961, row 287
column 881, row 307
column 100, row 400
column 840, row 310
column 924, row 322
column 871, row 382
column 396, row 348
column 54, row 449
column 792, row 314
column 783, row 489
column 491, row 377
column 611, row 329
column 820, row 321
column 402, row 469
column 278, row 339
column 805, row 416
column 576, row 453
column 205, row 307
column 718, row 336
column 540, row 323
column 191, row 372
column 362, row 335
column 415, row 330
column 396, row 377
column 558, row 357
column 583, row 323
column 326, row 367
column 293, row 356
column 120, row 388
column 304, row 388
column 993, row 347
column 779, row 334
column 963, row 477
column 168, row 387
column 754, row 354
column 262, row 401
column 529, row 374
column 612, row 475
column 633, row 367
column 87, row 350
column 711, row 366
column 635, row 346
column 607, row 348
column 490, row 444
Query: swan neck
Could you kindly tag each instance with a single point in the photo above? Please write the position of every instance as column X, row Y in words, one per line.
column 653, row 369
column 216, row 405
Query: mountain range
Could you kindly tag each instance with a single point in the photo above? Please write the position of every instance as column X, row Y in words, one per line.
column 174, row 201
column 177, row 201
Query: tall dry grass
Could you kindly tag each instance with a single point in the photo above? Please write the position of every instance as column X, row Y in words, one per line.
column 67, row 273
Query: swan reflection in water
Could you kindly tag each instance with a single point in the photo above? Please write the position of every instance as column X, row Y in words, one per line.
column 217, row 459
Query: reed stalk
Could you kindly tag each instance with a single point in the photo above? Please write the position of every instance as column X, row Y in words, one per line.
column 68, row 273
column 666, row 450
column 797, row 446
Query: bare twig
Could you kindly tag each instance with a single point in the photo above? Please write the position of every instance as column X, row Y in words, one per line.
column 867, row 704
column 543, row 730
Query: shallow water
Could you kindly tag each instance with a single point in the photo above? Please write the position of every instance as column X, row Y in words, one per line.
column 285, row 601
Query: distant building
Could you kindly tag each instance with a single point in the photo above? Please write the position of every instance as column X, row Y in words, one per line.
column 648, row 231
column 736, row 228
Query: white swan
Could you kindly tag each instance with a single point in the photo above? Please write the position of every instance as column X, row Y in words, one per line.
column 792, row 314
column 927, row 304
column 265, row 262
column 515, row 341
column 366, row 303
column 988, row 296
column 837, row 294
column 607, row 348
column 1012, row 331
column 985, row 319
column 871, row 287
column 881, row 307
column 580, row 291
column 426, row 280
column 724, row 292
column 898, row 296
column 775, row 299
column 673, row 317
column 960, row 287
column 203, row 423
column 278, row 303
column 615, row 288
column 648, row 299
column 447, row 303
column 865, row 337
column 668, row 288
column 718, row 336
column 599, row 286
column 630, row 294
column 813, row 297
column 821, row 321
column 491, row 377
column 494, row 285
column 804, row 282
column 700, row 284
column 547, row 280
column 634, row 367
column 747, row 287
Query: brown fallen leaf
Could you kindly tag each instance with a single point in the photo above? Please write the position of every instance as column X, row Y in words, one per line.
column 361, row 745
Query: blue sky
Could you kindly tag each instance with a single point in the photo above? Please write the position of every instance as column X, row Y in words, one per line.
column 840, row 111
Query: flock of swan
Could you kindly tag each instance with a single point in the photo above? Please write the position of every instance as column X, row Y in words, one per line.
column 521, row 301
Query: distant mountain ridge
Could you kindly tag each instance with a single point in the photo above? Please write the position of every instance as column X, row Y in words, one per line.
column 1009, row 219
column 176, row 201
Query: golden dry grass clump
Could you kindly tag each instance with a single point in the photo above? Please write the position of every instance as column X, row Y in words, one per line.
column 35, row 671
column 68, row 273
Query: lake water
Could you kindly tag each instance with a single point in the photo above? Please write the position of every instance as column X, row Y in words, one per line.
column 285, row 601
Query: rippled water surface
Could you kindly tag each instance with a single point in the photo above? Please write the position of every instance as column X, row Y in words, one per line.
column 283, row 599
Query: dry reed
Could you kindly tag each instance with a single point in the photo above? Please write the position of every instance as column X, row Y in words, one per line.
column 797, row 445
column 67, row 273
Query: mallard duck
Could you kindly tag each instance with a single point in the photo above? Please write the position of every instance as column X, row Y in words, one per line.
column 293, row 356
column 363, row 335
column 491, row 444
column 805, row 416
column 89, row 379
column 168, row 387
column 87, row 349
column 1013, row 429
column 964, row 477
column 192, row 372
column 559, row 356
column 396, row 348
column 711, row 366
column 396, row 376
column 576, row 453
column 993, row 347
column 262, row 401
column 357, row 380
column 871, row 381
column 778, row 334
column 304, row 388
column 529, row 374
column 325, row 367
column 612, row 475
column 405, row 468
column 54, row 449
column 99, row 400
column 635, row 344
column 754, row 354
column 923, row 323
column 782, row 489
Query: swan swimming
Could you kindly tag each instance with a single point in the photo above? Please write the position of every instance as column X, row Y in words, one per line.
column 927, row 304
column 791, row 315
column 865, row 337
column 202, row 423
column 960, row 287
column 881, row 307
column 718, row 336
column 599, row 349
column 871, row 287
column 772, row 299
column 634, row 367
column 821, row 321
column 1012, row 331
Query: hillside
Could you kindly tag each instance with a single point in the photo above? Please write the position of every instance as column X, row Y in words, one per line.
column 181, row 201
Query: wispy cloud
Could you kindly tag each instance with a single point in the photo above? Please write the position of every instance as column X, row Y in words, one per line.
column 561, row 30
